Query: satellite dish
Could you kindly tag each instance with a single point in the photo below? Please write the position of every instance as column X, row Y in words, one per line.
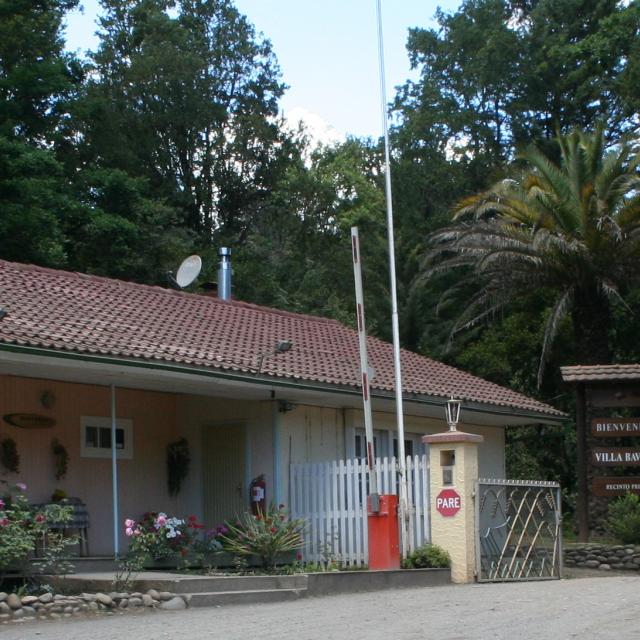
column 188, row 271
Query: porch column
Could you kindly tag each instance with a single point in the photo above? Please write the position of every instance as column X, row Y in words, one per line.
column 114, row 475
column 453, row 458
column 276, row 428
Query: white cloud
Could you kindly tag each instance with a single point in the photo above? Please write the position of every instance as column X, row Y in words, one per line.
column 318, row 130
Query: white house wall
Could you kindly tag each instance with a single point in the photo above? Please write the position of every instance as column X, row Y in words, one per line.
column 314, row 434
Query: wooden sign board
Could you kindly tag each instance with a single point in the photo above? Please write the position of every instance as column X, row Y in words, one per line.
column 615, row 486
column 614, row 427
column 616, row 457
column 29, row 420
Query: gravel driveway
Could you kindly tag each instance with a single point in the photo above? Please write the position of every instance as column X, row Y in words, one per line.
column 598, row 608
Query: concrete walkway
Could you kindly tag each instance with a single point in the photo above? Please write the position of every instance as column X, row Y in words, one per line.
column 589, row 609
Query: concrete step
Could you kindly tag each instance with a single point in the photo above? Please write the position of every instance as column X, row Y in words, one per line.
column 200, row 584
column 220, row 598
column 93, row 564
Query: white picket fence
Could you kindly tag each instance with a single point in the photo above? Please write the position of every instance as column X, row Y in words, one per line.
column 331, row 497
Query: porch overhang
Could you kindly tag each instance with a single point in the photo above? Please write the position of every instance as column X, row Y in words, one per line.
column 151, row 375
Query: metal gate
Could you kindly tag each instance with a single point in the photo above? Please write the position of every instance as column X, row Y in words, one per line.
column 518, row 530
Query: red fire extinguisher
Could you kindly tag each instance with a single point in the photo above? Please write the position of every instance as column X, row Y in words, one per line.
column 258, row 491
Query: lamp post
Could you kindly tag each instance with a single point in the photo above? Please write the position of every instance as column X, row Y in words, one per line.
column 452, row 409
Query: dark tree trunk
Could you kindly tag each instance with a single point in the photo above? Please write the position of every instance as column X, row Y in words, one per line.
column 591, row 325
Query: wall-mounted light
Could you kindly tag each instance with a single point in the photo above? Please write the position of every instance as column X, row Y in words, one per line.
column 284, row 406
column 452, row 410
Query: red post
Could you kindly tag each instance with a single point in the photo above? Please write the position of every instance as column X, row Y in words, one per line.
column 384, row 547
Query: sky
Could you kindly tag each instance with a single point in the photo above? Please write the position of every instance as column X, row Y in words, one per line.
column 327, row 53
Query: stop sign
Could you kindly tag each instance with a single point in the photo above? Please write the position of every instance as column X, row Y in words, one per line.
column 448, row 502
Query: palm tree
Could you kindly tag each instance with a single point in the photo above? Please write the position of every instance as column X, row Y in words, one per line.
column 572, row 228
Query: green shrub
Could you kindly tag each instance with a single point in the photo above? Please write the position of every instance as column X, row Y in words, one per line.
column 623, row 521
column 428, row 556
column 22, row 527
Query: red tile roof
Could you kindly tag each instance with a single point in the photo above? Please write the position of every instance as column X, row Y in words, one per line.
column 86, row 314
column 600, row 372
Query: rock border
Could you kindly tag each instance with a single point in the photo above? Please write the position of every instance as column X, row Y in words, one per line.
column 625, row 557
column 47, row 606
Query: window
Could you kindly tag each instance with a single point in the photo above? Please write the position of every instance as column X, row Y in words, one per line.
column 379, row 444
column 96, row 438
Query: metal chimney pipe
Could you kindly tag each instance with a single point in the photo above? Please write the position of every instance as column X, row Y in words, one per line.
column 224, row 273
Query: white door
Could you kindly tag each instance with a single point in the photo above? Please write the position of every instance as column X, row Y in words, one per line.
column 223, row 467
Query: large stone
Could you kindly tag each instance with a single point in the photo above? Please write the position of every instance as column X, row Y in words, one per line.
column 147, row 600
column 14, row 601
column 135, row 602
column 592, row 564
column 45, row 597
column 3, row 596
column 165, row 596
column 18, row 613
column 604, row 567
column 29, row 611
column 154, row 594
column 28, row 600
column 175, row 604
column 4, row 607
column 104, row 599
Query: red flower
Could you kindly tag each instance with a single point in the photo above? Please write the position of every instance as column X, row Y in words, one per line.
column 40, row 518
column 192, row 518
column 273, row 529
column 298, row 556
column 4, row 522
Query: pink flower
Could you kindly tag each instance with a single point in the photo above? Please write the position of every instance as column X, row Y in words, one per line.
column 21, row 485
column 40, row 518
column 2, row 505
column 4, row 522
column 128, row 532
column 136, row 532
column 129, row 523
column 161, row 520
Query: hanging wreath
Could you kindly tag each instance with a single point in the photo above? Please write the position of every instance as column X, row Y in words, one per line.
column 60, row 458
column 178, row 459
column 9, row 456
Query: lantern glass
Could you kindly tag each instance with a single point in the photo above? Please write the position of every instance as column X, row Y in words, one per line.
column 453, row 413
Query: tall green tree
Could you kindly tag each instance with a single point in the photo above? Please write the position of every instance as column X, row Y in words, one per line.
column 571, row 229
column 497, row 74
column 184, row 94
column 37, row 78
column 298, row 256
column 36, row 74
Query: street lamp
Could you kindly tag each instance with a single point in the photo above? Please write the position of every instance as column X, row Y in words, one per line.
column 452, row 410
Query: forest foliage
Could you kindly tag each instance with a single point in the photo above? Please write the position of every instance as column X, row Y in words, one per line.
column 167, row 140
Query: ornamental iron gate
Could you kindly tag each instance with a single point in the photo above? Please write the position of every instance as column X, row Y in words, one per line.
column 518, row 530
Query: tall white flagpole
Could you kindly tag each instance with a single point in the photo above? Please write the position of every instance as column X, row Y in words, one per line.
column 394, row 297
